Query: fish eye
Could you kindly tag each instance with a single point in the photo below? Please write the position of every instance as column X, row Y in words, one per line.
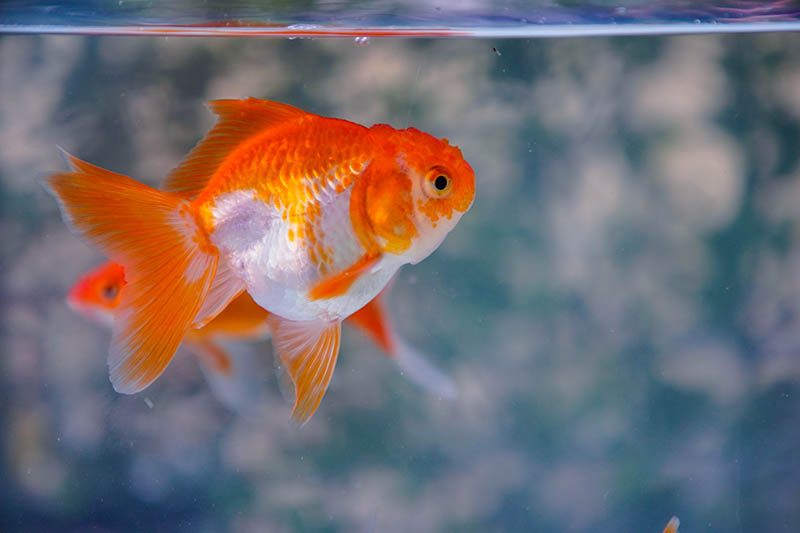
column 110, row 292
column 438, row 183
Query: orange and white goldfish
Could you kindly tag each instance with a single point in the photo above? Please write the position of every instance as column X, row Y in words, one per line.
column 96, row 295
column 312, row 216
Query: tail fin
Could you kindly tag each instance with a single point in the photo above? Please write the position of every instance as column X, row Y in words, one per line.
column 169, row 264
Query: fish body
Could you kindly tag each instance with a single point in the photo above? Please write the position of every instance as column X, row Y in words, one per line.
column 312, row 216
column 280, row 207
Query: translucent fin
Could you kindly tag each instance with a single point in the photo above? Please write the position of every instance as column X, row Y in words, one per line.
column 225, row 288
column 285, row 384
column 419, row 370
column 308, row 352
column 238, row 121
column 152, row 234
column 672, row 525
column 337, row 284
column 231, row 374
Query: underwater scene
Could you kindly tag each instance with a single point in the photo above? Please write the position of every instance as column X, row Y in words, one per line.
column 609, row 337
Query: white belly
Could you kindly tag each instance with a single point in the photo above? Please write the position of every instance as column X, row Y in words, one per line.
column 278, row 271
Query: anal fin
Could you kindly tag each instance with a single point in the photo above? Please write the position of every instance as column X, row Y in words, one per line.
column 308, row 352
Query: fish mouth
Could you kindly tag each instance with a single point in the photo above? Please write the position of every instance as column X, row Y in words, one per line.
column 428, row 247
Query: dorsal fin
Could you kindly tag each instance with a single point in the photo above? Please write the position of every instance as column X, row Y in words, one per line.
column 238, row 120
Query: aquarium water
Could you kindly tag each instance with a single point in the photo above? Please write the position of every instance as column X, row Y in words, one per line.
column 619, row 310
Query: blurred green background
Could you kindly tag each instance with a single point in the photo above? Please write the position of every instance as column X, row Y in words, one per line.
column 620, row 309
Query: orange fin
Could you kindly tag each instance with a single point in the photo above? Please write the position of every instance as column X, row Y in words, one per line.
column 84, row 167
column 308, row 352
column 242, row 319
column 672, row 525
column 337, row 284
column 238, row 121
column 152, row 234
column 373, row 321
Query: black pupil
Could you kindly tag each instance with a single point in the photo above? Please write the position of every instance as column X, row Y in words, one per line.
column 109, row 291
column 440, row 182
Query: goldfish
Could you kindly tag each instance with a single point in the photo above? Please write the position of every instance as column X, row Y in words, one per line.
column 310, row 215
column 96, row 295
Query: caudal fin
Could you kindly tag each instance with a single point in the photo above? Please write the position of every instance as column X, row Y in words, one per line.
column 155, row 236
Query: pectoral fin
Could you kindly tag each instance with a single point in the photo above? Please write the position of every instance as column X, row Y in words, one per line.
column 308, row 352
column 373, row 321
column 337, row 284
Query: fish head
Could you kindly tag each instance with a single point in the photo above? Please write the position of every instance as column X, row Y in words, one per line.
column 423, row 195
column 97, row 294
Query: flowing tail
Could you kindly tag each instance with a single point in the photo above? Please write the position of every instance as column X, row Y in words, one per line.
column 374, row 321
column 416, row 367
column 169, row 263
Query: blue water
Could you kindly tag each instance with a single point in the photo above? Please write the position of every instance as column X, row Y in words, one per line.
column 620, row 309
